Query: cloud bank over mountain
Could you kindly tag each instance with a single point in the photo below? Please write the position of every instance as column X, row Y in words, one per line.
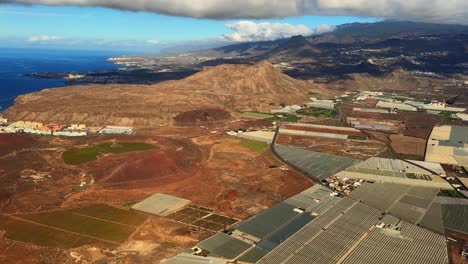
column 446, row 11
column 245, row 31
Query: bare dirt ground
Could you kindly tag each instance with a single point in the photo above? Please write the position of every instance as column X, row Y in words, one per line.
column 357, row 149
column 206, row 167
column 405, row 145
column 455, row 248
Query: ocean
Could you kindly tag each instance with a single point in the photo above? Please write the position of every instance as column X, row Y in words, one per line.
column 14, row 63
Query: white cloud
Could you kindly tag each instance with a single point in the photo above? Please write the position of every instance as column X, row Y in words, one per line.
column 152, row 42
column 245, row 31
column 420, row 10
column 44, row 38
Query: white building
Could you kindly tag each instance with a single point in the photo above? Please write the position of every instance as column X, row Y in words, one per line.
column 66, row 133
column 462, row 116
column 110, row 130
column 397, row 106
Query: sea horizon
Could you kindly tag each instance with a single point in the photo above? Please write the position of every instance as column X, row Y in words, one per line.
column 15, row 63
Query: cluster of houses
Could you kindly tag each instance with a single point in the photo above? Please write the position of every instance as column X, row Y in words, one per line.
column 74, row 130
column 39, row 128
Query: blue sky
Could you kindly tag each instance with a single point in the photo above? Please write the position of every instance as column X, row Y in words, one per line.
column 102, row 28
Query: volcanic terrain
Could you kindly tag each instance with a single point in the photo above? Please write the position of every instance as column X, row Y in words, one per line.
column 208, row 96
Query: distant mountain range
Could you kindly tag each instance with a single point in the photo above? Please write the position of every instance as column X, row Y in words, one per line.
column 344, row 34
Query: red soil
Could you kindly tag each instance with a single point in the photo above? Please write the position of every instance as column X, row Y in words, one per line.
column 206, row 115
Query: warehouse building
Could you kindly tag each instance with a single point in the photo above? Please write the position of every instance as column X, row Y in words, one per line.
column 364, row 126
column 396, row 106
column 111, row 130
column 322, row 104
column 293, row 132
column 448, row 145
column 372, row 110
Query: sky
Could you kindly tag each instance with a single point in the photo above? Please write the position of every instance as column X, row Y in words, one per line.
column 151, row 25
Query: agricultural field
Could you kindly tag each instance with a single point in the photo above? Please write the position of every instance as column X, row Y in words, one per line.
column 257, row 115
column 19, row 230
column 408, row 147
column 317, row 112
column 286, row 118
column 357, row 149
column 97, row 224
column 77, row 156
column 254, row 145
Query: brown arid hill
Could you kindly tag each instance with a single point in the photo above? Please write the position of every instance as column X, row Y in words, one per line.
column 206, row 96
column 402, row 82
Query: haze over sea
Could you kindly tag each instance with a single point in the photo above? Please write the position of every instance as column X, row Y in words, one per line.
column 14, row 63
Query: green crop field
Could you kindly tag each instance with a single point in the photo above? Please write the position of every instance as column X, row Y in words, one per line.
column 43, row 236
column 317, row 112
column 285, row 117
column 257, row 115
column 77, row 156
column 110, row 213
column 254, row 145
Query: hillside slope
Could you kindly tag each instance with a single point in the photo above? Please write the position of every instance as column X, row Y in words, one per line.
column 207, row 96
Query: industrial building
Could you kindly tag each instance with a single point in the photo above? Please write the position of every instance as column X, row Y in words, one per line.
column 287, row 109
column 413, row 173
column 69, row 133
column 363, row 126
column 293, row 132
column 322, row 104
column 462, row 116
column 372, row 110
column 396, row 106
column 448, row 145
column 111, row 130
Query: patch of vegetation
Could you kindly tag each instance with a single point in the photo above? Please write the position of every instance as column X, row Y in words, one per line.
column 256, row 114
column 43, row 236
column 448, row 114
column 68, row 220
column 77, row 156
column 424, row 101
column 285, row 117
column 318, row 112
column 254, row 145
column 110, row 213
